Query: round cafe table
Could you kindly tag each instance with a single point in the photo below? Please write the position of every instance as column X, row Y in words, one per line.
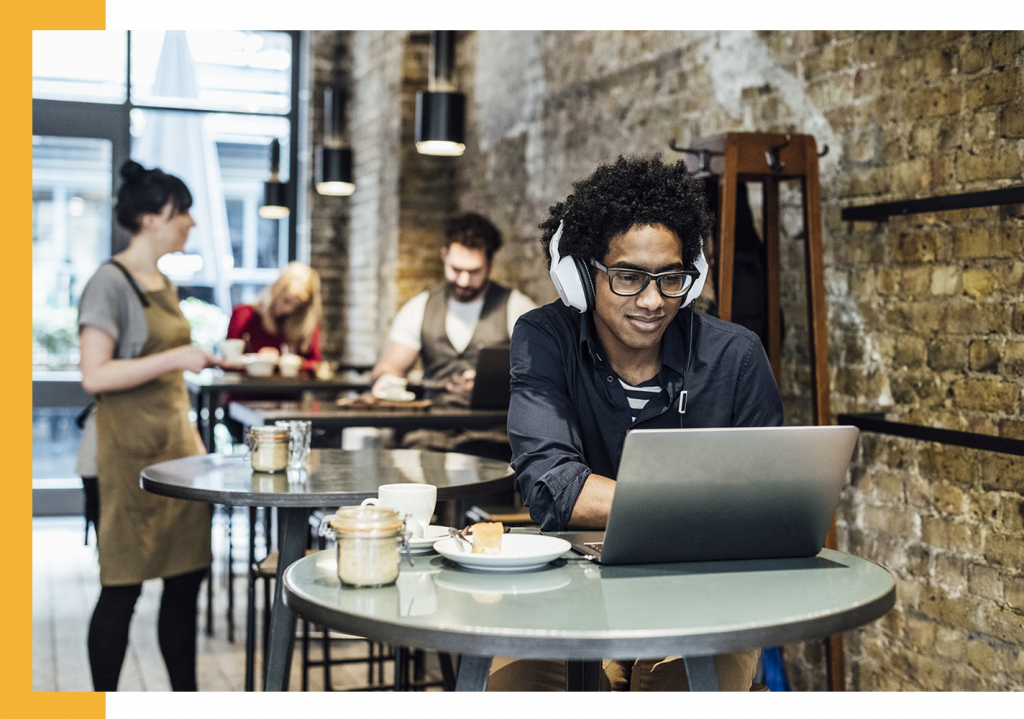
column 332, row 478
column 573, row 609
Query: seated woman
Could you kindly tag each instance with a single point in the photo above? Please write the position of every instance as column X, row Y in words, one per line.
column 285, row 314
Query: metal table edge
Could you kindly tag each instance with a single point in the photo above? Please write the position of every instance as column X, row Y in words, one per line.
column 234, row 499
column 533, row 647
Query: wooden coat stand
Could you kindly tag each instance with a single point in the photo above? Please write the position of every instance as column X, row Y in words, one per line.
column 770, row 158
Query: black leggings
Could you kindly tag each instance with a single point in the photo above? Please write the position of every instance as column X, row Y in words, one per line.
column 176, row 631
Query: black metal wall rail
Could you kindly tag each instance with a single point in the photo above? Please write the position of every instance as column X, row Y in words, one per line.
column 876, row 422
column 882, row 212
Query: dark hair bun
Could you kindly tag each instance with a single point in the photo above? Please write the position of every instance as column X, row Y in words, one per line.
column 148, row 192
column 131, row 170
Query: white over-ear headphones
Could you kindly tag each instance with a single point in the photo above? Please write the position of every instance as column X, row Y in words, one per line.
column 575, row 285
column 571, row 277
column 693, row 293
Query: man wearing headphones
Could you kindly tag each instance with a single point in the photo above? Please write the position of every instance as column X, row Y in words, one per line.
column 624, row 349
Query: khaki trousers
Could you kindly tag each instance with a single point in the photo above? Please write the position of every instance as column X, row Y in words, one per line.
column 735, row 674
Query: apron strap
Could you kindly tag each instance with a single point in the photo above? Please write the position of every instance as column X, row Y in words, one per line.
column 131, row 281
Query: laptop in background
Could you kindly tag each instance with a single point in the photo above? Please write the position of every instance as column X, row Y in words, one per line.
column 691, row 495
column 493, row 377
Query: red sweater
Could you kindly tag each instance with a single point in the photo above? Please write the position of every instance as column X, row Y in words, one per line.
column 245, row 320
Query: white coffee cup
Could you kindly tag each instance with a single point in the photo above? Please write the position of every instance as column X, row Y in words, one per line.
column 392, row 388
column 289, row 365
column 232, row 350
column 415, row 501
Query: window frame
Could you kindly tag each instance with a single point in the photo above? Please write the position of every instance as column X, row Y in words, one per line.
column 112, row 121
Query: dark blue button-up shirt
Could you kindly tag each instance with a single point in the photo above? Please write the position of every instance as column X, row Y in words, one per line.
column 568, row 415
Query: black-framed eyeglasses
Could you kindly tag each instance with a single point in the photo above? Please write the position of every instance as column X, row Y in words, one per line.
column 626, row 282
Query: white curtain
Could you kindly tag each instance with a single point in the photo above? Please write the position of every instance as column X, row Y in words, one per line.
column 178, row 143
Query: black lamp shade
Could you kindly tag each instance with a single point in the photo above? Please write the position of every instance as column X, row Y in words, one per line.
column 440, row 123
column 334, row 171
column 275, row 200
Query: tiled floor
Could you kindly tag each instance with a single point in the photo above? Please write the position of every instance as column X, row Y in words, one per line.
column 65, row 587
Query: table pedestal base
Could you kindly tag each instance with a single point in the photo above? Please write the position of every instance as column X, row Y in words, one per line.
column 700, row 671
column 294, row 527
column 473, row 673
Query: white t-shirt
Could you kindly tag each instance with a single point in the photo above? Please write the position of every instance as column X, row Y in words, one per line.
column 460, row 321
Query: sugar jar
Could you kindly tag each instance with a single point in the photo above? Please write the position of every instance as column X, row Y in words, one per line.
column 370, row 540
column 268, row 448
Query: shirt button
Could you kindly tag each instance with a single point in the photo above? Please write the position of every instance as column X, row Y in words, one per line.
column 610, row 378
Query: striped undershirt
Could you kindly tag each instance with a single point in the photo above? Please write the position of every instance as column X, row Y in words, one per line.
column 639, row 396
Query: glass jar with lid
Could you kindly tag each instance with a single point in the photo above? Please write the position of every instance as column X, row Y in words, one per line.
column 370, row 540
column 268, row 448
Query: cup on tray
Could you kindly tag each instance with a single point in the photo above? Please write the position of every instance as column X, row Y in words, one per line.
column 232, row 350
column 289, row 365
column 393, row 389
column 415, row 501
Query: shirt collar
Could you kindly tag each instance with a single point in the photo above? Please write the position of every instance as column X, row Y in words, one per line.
column 588, row 346
column 675, row 341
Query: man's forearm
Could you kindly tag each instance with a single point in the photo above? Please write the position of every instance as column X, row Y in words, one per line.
column 593, row 503
column 397, row 360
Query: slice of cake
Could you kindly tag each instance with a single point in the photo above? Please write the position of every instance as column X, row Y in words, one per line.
column 487, row 537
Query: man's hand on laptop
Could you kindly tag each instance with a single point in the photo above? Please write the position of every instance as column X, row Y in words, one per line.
column 462, row 385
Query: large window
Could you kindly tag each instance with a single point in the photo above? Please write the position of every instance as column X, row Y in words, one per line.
column 201, row 105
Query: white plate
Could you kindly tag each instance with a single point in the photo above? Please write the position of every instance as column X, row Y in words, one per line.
column 518, row 552
column 422, row 545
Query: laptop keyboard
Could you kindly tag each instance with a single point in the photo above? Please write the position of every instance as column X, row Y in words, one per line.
column 599, row 546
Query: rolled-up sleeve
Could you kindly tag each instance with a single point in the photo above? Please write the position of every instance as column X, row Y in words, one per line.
column 543, row 426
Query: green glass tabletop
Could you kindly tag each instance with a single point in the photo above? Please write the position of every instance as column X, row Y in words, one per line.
column 573, row 609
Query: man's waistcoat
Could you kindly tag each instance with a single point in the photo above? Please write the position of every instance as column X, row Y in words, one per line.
column 440, row 360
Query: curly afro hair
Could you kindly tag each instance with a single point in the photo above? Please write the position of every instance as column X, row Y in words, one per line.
column 633, row 191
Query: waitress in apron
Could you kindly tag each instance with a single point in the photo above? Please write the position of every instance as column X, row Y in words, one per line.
column 135, row 342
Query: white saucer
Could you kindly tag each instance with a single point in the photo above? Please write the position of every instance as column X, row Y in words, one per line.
column 519, row 552
column 422, row 545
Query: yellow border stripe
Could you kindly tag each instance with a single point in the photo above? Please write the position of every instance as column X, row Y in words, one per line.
column 16, row 300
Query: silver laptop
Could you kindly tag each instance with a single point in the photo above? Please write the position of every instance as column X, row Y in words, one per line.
column 690, row 495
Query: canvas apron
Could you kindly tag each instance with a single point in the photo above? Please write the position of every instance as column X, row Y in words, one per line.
column 143, row 535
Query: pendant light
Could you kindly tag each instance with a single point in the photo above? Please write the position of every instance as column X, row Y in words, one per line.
column 333, row 174
column 440, row 111
column 333, row 161
column 275, row 192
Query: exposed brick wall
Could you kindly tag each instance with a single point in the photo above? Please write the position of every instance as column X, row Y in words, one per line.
column 426, row 192
column 329, row 216
column 376, row 127
column 926, row 312
column 386, row 243
column 922, row 310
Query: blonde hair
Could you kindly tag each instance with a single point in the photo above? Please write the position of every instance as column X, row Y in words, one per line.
column 297, row 328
